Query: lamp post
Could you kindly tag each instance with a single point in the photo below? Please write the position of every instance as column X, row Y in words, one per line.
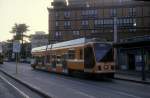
column 143, row 65
column 115, row 38
column 115, row 30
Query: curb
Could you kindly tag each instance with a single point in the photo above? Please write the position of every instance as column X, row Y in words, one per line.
column 45, row 95
column 131, row 80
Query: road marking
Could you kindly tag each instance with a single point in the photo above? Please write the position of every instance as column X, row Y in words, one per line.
column 84, row 94
column 22, row 93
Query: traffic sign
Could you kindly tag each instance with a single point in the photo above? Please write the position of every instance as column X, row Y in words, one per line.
column 16, row 46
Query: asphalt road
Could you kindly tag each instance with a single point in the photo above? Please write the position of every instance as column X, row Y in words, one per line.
column 59, row 86
column 6, row 91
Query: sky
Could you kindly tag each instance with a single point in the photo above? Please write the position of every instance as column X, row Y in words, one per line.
column 34, row 13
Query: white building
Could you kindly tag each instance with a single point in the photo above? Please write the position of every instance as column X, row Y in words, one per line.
column 39, row 39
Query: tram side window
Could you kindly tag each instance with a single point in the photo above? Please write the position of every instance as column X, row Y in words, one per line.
column 43, row 59
column 71, row 54
column 53, row 60
column 58, row 59
column 33, row 60
column 63, row 60
column 48, row 59
column 81, row 54
column 40, row 60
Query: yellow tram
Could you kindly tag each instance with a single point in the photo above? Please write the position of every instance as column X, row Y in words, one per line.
column 82, row 55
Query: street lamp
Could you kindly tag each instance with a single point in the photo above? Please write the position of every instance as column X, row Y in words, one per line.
column 134, row 24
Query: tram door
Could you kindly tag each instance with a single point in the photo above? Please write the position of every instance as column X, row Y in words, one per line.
column 89, row 57
column 131, row 61
column 64, row 60
column 53, row 61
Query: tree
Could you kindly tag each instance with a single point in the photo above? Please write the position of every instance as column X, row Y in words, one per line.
column 19, row 30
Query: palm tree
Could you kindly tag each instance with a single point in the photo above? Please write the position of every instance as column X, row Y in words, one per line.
column 19, row 30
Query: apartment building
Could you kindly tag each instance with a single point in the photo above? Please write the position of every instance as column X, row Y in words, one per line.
column 98, row 19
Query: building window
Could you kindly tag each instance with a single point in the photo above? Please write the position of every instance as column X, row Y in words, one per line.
column 94, row 31
column 132, row 30
column 58, row 34
column 113, row 12
column 84, row 12
column 130, row 22
column 67, row 24
column 134, row 22
column 132, row 11
column 76, row 33
column 56, row 14
column 89, row 13
column 98, row 22
column 56, row 24
column 67, row 13
column 92, row 12
column 84, row 23
column 108, row 21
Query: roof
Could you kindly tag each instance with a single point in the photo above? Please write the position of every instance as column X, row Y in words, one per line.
column 140, row 41
column 61, row 44
column 79, row 41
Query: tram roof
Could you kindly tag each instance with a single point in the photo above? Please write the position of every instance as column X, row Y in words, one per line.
column 63, row 44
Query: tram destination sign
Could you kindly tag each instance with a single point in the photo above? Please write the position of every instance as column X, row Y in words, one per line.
column 16, row 46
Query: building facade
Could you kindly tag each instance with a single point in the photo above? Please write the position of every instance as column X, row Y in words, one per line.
column 39, row 39
column 96, row 19
column 134, row 53
column 7, row 50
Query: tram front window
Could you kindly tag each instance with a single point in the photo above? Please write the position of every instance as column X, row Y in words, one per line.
column 101, row 51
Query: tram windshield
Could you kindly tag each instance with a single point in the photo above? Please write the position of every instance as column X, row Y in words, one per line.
column 102, row 50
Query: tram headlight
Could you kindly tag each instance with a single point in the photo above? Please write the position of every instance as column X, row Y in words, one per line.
column 106, row 67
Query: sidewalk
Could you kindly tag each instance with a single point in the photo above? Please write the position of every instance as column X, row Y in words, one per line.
column 132, row 76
